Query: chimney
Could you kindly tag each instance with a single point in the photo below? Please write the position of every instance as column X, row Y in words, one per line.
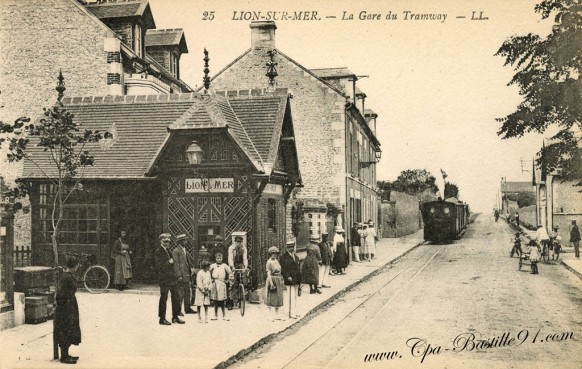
column 263, row 35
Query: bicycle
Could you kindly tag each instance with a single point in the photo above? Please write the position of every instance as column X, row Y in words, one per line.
column 545, row 256
column 240, row 277
column 95, row 277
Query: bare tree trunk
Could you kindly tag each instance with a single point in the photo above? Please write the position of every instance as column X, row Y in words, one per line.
column 54, row 239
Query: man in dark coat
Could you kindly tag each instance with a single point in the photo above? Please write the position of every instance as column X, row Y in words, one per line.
column 67, row 329
column 310, row 267
column 355, row 241
column 168, row 281
column 292, row 277
column 575, row 238
column 183, row 271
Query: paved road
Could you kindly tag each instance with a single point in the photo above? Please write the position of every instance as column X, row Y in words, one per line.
column 444, row 306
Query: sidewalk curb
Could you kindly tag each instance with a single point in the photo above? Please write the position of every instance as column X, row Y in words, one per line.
column 576, row 273
column 267, row 339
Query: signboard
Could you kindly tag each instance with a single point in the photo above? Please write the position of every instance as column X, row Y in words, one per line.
column 273, row 189
column 200, row 185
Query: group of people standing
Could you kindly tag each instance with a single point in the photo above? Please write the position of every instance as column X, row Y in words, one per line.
column 212, row 280
column 363, row 239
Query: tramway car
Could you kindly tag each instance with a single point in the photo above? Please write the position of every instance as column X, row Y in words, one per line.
column 444, row 220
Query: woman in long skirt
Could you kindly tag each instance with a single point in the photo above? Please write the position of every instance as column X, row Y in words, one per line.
column 274, row 284
column 371, row 240
column 120, row 254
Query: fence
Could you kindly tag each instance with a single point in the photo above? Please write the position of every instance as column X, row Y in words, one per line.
column 22, row 256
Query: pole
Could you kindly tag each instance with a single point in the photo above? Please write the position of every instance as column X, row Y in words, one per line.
column 55, row 343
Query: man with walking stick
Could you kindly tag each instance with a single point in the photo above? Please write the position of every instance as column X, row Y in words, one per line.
column 292, row 277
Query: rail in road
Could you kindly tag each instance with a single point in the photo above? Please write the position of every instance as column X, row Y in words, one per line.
column 470, row 289
column 345, row 320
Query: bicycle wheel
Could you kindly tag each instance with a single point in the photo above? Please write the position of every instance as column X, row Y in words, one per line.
column 96, row 279
column 241, row 291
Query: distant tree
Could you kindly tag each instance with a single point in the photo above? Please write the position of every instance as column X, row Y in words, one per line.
column 385, row 187
column 451, row 190
column 525, row 199
column 415, row 182
column 549, row 76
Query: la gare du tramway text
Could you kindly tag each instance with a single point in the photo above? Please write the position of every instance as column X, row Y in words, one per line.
column 311, row 15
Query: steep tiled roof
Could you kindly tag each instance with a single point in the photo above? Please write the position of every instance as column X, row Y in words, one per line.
column 166, row 37
column 118, row 9
column 257, row 116
column 142, row 125
column 333, row 73
column 516, row 187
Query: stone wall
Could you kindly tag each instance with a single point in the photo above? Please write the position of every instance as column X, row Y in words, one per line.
column 32, row 56
column 400, row 215
column 318, row 119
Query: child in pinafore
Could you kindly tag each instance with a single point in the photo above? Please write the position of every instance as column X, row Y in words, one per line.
column 534, row 255
column 274, row 284
column 220, row 274
column 203, row 282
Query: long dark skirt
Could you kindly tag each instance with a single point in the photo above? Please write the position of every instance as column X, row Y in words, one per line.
column 340, row 259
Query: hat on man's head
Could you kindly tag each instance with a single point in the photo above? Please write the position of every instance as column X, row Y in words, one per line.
column 371, row 223
column 218, row 238
column 181, row 237
column 238, row 238
column 314, row 237
column 339, row 229
column 165, row 235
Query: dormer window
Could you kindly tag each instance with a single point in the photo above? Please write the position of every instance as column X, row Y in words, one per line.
column 175, row 58
column 138, row 41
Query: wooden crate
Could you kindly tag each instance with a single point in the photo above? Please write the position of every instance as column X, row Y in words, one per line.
column 26, row 278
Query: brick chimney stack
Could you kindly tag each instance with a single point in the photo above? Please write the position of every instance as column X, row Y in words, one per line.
column 263, row 35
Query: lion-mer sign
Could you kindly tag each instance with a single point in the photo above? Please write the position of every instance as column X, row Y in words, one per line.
column 194, row 185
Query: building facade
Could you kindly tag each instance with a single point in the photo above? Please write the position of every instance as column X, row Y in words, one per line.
column 142, row 181
column 334, row 137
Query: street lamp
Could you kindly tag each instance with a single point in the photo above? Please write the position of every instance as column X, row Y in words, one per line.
column 377, row 154
column 194, row 153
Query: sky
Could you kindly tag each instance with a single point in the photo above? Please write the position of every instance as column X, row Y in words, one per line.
column 436, row 85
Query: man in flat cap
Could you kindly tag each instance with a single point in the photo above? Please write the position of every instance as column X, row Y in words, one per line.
column 237, row 259
column 183, row 270
column 167, row 281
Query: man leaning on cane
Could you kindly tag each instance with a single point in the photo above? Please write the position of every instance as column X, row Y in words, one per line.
column 292, row 277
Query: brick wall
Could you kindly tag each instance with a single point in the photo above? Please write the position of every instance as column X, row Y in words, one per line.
column 124, row 29
column 32, row 56
column 318, row 119
column 160, row 55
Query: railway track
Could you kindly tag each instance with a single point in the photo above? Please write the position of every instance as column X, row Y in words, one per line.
column 325, row 336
